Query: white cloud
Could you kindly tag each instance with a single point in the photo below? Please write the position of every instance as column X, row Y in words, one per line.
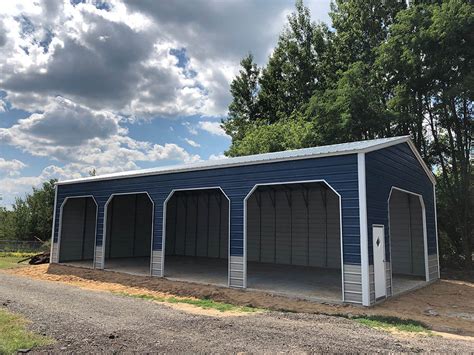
column 192, row 143
column 11, row 167
column 121, row 57
column 217, row 156
column 212, row 128
column 85, row 139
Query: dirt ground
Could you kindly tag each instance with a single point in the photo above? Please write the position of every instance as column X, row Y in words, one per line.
column 445, row 306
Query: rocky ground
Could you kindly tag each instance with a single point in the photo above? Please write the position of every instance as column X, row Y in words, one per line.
column 83, row 320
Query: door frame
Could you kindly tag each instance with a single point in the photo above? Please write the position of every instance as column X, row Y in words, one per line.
column 425, row 233
column 296, row 182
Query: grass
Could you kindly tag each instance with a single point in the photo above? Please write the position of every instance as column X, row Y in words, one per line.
column 201, row 303
column 15, row 336
column 386, row 322
column 10, row 259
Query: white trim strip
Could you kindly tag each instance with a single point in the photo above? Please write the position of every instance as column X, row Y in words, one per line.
column 364, row 235
column 51, row 256
column 436, row 228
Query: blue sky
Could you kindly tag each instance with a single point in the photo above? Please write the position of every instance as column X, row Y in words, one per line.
column 120, row 84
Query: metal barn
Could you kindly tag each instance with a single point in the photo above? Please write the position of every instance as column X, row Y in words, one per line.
column 353, row 222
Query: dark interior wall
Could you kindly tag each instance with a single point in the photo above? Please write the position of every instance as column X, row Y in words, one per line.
column 197, row 224
column 406, row 234
column 78, row 229
column 129, row 226
column 294, row 225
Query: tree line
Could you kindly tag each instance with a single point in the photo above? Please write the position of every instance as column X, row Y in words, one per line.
column 30, row 217
column 383, row 69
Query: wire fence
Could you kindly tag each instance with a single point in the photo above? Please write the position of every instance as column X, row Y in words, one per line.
column 24, row 246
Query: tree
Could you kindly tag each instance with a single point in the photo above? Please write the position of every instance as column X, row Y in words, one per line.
column 7, row 226
column 243, row 110
column 283, row 135
column 294, row 70
column 33, row 215
column 428, row 60
column 360, row 27
column 383, row 69
column 351, row 110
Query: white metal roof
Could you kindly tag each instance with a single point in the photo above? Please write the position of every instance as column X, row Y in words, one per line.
column 316, row 152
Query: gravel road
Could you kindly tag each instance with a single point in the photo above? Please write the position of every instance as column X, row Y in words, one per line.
column 94, row 321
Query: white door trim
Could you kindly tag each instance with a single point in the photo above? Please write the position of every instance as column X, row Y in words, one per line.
column 425, row 233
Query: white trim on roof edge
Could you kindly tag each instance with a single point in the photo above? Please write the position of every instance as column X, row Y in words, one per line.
column 306, row 153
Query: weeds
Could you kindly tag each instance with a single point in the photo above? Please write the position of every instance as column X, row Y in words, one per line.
column 386, row 322
column 201, row 303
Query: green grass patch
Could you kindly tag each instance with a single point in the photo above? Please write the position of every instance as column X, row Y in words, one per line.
column 16, row 254
column 15, row 336
column 11, row 259
column 386, row 322
column 201, row 303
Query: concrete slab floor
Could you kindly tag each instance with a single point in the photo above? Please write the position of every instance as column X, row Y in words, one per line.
column 298, row 281
column 197, row 269
column 312, row 283
column 134, row 266
column 404, row 283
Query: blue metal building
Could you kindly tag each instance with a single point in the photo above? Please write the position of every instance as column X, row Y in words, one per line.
column 362, row 212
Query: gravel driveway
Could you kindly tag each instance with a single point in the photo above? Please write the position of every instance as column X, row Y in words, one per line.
column 95, row 321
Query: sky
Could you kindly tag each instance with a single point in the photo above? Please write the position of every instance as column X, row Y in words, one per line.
column 122, row 84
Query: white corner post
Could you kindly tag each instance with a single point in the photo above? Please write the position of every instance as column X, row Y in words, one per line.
column 53, row 254
column 364, row 235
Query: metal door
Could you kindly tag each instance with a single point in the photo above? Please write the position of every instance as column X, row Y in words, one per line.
column 378, row 235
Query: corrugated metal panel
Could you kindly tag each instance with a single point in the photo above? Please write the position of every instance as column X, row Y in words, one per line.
column 77, row 230
column 314, row 152
column 433, row 271
column 156, row 263
column 388, row 279
column 352, row 284
column 397, row 166
column 285, row 225
column 339, row 171
column 236, row 268
column 55, row 253
column 98, row 264
column 406, row 232
column 197, row 224
column 129, row 226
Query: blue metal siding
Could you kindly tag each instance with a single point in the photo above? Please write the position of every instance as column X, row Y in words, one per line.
column 396, row 166
column 339, row 171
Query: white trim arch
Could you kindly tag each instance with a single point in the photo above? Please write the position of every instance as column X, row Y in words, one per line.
column 61, row 208
column 323, row 181
column 104, row 230
column 163, row 235
column 425, row 234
